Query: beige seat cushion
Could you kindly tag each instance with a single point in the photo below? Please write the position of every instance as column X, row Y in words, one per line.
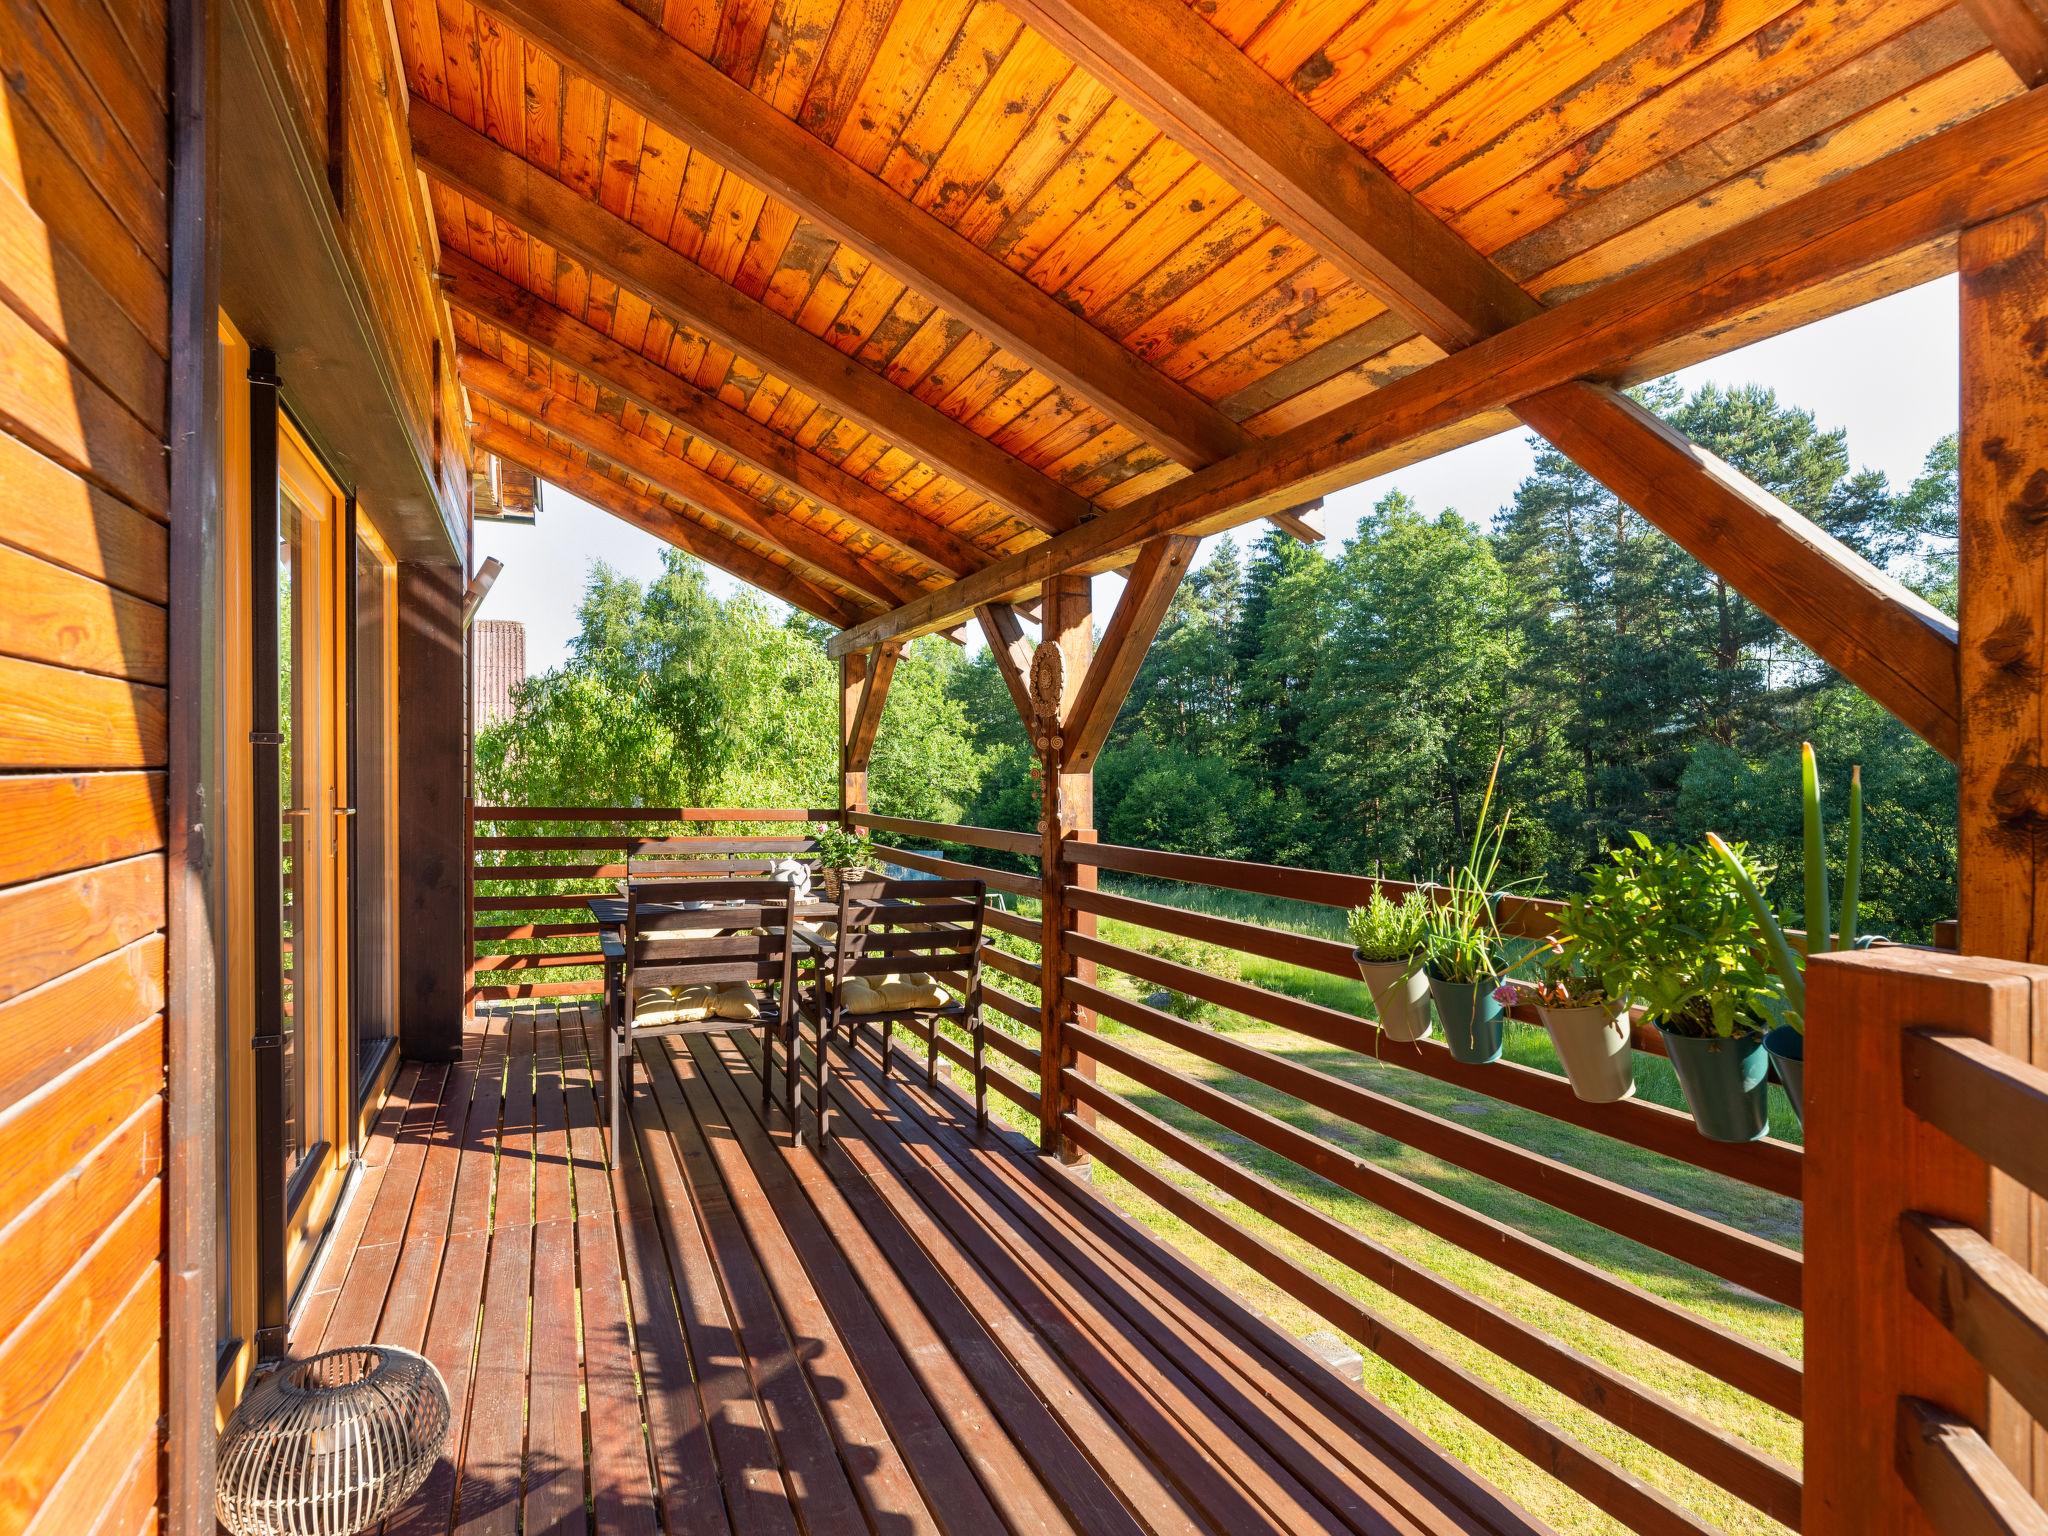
column 689, row 1005
column 894, row 992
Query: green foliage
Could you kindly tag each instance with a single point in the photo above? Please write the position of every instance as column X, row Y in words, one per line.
column 1461, row 941
column 1385, row 929
column 1823, row 935
column 675, row 696
column 1666, row 926
column 839, row 848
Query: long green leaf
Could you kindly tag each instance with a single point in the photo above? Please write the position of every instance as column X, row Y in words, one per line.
column 1784, row 959
column 1852, row 876
column 1817, row 926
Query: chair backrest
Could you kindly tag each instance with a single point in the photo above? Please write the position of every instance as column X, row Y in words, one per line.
column 699, row 858
column 743, row 933
column 890, row 926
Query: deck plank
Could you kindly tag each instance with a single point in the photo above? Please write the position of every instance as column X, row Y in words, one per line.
column 921, row 1331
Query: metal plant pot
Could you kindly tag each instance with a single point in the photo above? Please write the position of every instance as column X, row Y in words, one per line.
column 1788, row 1059
column 1727, row 1084
column 1593, row 1043
column 1400, row 999
column 1471, row 1017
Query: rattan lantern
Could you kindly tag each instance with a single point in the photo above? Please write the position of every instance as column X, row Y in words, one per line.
column 330, row 1445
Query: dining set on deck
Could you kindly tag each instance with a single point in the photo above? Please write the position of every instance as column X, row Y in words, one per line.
column 711, row 937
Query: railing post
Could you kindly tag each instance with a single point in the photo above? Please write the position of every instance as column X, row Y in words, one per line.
column 1067, row 811
column 1870, row 1160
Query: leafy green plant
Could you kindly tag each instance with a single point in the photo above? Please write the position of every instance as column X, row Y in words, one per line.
column 1666, row 925
column 1562, row 980
column 839, row 848
column 1461, row 938
column 1385, row 929
column 1787, row 961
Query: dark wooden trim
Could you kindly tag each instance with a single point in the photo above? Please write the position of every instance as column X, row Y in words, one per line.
column 266, row 852
column 195, row 880
column 1149, row 586
column 434, row 856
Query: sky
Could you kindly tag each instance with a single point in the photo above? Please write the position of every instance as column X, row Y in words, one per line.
column 1886, row 373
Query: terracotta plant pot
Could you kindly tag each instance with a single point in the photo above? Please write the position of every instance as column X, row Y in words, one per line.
column 1788, row 1059
column 1593, row 1044
column 1727, row 1084
column 1471, row 1017
column 1401, row 1001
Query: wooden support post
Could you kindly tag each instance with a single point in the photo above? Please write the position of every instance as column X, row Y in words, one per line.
column 2002, row 629
column 433, row 812
column 1870, row 1159
column 1067, row 810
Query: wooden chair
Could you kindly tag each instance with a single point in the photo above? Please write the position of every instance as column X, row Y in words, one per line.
column 899, row 932
column 737, row 935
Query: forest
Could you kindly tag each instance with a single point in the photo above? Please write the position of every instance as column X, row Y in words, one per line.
column 1337, row 708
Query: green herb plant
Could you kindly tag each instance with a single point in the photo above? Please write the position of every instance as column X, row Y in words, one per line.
column 1461, row 939
column 1666, row 925
column 1787, row 960
column 1385, row 929
column 840, row 849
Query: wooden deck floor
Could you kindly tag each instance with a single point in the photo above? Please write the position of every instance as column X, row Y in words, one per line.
column 914, row 1333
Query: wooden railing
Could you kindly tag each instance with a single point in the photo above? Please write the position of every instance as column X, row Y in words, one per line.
column 1928, row 1117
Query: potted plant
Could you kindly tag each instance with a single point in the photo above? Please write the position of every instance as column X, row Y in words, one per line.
column 1666, row 926
column 1787, row 1041
column 843, row 855
column 1460, row 951
column 1385, row 936
column 1588, row 1026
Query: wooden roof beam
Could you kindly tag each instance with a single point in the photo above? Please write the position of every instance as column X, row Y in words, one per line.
column 664, row 522
column 539, row 326
column 1209, row 95
column 2019, row 30
column 527, row 197
column 607, row 439
column 659, row 77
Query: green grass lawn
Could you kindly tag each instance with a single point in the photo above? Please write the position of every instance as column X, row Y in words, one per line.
column 1738, row 1204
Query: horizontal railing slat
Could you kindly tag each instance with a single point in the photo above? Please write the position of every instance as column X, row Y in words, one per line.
column 1958, row 1479
column 1024, row 843
column 1764, row 1373
column 488, row 961
column 1750, row 1261
column 1986, row 1298
column 533, row 931
column 1606, row 1485
column 1015, row 1007
column 1009, row 922
column 497, row 994
column 1990, row 1101
column 646, row 813
column 1774, row 1166
column 953, row 869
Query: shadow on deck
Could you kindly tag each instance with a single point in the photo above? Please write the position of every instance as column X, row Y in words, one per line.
column 914, row 1333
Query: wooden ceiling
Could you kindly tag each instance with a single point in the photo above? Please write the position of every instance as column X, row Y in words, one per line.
column 861, row 299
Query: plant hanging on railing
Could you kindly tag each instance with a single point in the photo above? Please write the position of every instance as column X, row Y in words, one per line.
column 1460, row 948
column 1787, row 1042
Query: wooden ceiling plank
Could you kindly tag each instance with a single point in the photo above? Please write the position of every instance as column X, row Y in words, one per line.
column 532, row 320
column 657, row 76
column 663, row 522
column 2018, row 29
column 524, row 195
column 1209, row 95
column 1011, row 648
column 1149, row 587
column 538, row 402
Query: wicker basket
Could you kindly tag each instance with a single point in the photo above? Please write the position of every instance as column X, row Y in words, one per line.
column 331, row 1445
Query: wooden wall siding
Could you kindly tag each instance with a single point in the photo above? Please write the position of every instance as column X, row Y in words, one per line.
column 1571, row 143
column 383, row 216
column 83, row 564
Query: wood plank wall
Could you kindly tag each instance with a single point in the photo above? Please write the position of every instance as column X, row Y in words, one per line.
column 84, row 506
